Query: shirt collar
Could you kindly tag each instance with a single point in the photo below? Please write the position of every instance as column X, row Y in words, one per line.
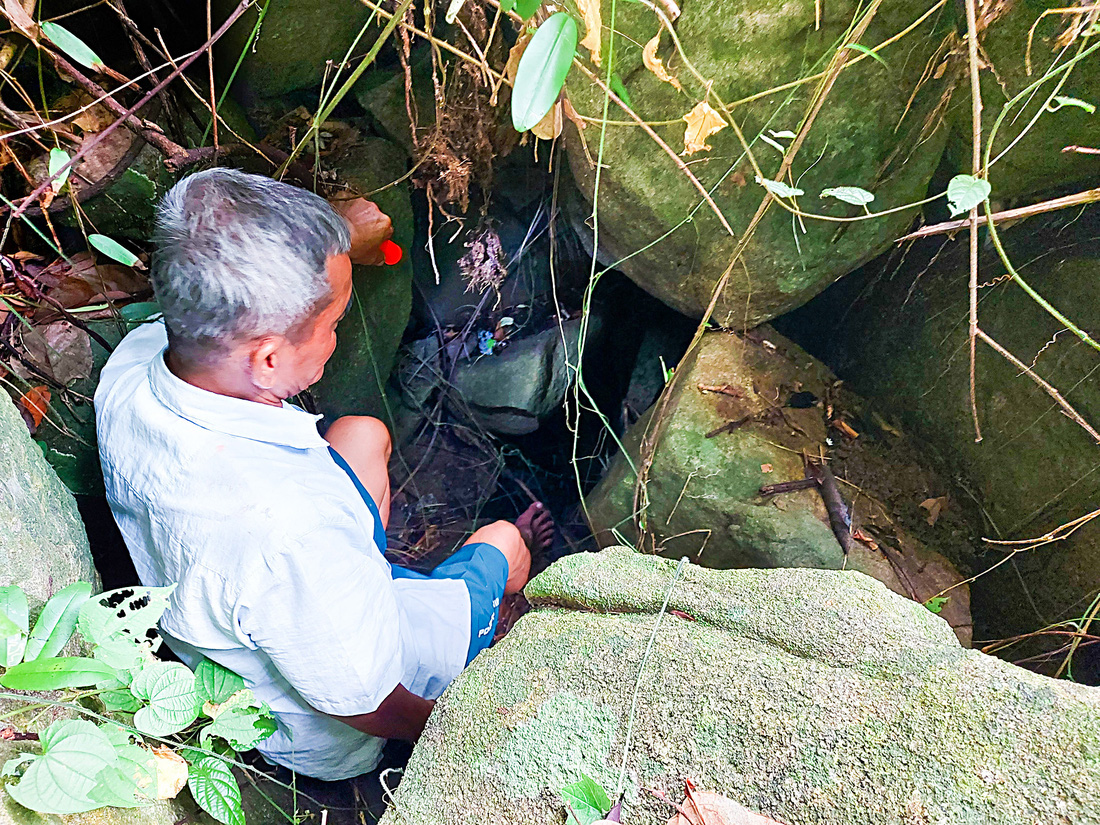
column 286, row 425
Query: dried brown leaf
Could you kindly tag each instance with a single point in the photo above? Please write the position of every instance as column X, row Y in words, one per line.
column 514, row 55
column 701, row 808
column 550, row 126
column 593, row 25
column 68, row 351
column 654, row 63
column 33, row 404
column 20, row 18
column 571, row 114
column 934, row 506
column 702, row 122
column 171, row 772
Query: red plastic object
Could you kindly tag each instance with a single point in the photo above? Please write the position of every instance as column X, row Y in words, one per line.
column 391, row 252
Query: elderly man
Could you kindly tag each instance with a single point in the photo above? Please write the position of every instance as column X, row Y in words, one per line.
column 274, row 535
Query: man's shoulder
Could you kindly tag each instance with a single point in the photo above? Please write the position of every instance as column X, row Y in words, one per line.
column 130, row 359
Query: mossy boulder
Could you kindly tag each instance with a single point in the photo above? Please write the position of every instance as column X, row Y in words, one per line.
column 703, row 494
column 1036, row 162
column 902, row 342
column 43, row 547
column 381, row 301
column 295, row 43
column 816, row 697
column 872, row 132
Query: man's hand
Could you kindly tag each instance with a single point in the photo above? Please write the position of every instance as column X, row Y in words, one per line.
column 402, row 715
column 369, row 225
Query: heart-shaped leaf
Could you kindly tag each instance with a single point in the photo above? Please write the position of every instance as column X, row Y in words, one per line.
column 964, row 192
column 542, row 70
column 58, row 159
column 169, row 689
column 778, row 188
column 55, row 674
column 63, row 779
column 215, row 683
column 57, row 621
column 72, row 45
column 113, row 250
column 216, row 790
column 587, row 801
column 13, row 607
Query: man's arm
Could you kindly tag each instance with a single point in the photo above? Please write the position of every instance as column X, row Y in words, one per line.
column 402, row 715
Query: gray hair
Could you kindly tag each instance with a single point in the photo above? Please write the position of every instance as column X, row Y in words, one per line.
column 241, row 255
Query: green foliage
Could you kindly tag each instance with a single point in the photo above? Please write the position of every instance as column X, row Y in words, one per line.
column 849, row 194
column 586, row 801
column 215, row 683
column 542, row 70
column 72, row 45
column 936, row 603
column 13, row 632
column 964, row 192
column 524, row 8
column 168, row 688
column 215, row 789
column 778, row 188
column 618, row 88
column 57, row 621
column 113, row 249
column 1061, row 100
column 56, row 674
column 62, row 780
column 858, row 47
column 83, row 766
column 58, row 158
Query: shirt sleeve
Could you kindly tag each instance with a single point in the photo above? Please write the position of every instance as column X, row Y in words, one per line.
column 327, row 618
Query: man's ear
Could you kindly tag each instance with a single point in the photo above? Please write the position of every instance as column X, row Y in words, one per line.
column 265, row 359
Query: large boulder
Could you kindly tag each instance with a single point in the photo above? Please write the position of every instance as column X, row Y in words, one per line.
column 900, row 338
column 703, row 494
column 1036, row 161
column 816, row 697
column 295, row 43
column 381, row 301
column 872, row 132
column 43, row 547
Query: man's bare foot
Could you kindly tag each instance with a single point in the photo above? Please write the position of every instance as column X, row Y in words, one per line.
column 536, row 525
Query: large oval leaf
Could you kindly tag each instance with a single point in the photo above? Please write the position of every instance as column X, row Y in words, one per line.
column 72, row 45
column 13, row 607
column 216, row 790
column 63, row 778
column 169, row 688
column 57, row 621
column 542, row 70
column 215, row 683
column 55, row 674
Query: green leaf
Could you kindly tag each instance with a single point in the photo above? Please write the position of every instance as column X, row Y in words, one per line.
column 58, row 158
column 126, row 613
column 241, row 727
column 72, row 45
column 1062, row 100
column 587, row 801
column 849, row 194
column 122, row 654
column 169, row 689
column 55, row 674
column 216, row 790
column 113, row 249
column 864, row 50
column 13, row 607
column 120, row 700
column 618, row 88
column 936, row 603
column 964, row 192
column 778, row 188
column 507, row 5
column 57, row 621
column 215, row 683
column 526, row 8
column 542, row 70
column 131, row 782
column 62, row 779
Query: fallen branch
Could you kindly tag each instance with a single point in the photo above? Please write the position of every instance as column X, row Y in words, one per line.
column 1078, row 199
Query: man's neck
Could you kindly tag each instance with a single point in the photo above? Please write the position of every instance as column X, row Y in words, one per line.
column 219, row 381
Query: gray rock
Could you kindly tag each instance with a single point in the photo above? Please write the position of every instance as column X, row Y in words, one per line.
column 702, row 498
column 872, row 132
column 43, row 547
column 816, row 697
column 511, row 390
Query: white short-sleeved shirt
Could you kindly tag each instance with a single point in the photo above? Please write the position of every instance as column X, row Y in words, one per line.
column 271, row 547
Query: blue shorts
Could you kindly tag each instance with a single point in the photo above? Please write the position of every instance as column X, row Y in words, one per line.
column 481, row 566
